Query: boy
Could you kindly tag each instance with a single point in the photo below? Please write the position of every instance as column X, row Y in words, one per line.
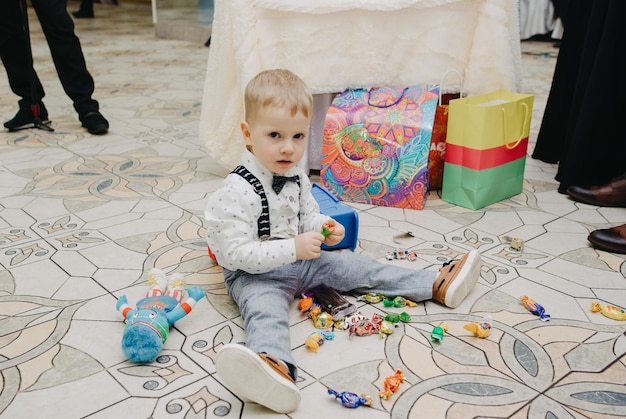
column 267, row 261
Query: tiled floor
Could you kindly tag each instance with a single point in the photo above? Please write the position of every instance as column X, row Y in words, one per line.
column 84, row 218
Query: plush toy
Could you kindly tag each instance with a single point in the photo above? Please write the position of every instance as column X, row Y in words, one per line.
column 148, row 325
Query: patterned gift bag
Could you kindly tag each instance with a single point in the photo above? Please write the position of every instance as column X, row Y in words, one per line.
column 376, row 145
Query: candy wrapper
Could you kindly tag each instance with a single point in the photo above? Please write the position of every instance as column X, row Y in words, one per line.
column 391, row 384
column 321, row 319
column 316, row 339
column 438, row 332
column 612, row 312
column 351, row 400
column 481, row 329
column 535, row 308
column 398, row 302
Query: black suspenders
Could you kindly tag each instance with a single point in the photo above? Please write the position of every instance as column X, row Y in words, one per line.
column 263, row 223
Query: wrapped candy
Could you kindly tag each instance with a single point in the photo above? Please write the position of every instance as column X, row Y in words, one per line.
column 398, row 302
column 481, row 329
column 316, row 339
column 535, row 308
column 438, row 331
column 392, row 383
column 351, row 400
column 305, row 304
column 321, row 320
column 612, row 312
column 373, row 297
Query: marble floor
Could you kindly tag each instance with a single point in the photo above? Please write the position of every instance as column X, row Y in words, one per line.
column 84, row 218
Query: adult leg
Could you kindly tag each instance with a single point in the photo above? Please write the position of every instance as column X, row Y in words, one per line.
column 67, row 54
column 85, row 10
column 14, row 54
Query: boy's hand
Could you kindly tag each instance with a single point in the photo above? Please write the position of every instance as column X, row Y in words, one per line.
column 308, row 245
column 337, row 233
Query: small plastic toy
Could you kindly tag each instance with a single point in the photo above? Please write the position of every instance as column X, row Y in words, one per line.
column 612, row 312
column 481, row 329
column 535, row 308
column 351, row 400
column 327, row 229
column 148, row 325
column 438, row 332
column 392, row 383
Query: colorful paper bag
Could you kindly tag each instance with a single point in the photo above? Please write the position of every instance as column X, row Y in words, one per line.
column 376, row 142
column 486, row 148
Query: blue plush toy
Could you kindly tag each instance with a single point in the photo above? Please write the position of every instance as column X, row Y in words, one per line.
column 147, row 326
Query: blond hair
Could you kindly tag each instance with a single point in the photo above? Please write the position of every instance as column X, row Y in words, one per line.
column 277, row 88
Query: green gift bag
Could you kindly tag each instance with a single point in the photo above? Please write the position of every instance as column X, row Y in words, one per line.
column 486, row 148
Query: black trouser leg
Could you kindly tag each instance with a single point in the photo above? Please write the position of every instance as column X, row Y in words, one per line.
column 67, row 53
column 14, row 54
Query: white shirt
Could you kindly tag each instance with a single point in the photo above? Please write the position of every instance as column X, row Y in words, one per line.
column 233, row 210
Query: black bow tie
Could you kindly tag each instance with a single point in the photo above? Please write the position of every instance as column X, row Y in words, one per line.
column 279, row 182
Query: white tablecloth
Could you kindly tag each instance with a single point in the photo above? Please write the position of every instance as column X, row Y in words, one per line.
column 335, row 44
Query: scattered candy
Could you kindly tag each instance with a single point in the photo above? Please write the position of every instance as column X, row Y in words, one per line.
column 516, row 243
column 400, row 254
column 392, row 383
column 438, row 331
column 305, row 304
column 321, row 320
column 612, row 312
column 398, row 302
column 481, row 329
column 373, row 297
column 351, row 400
column 535, row 308
column 316, row 339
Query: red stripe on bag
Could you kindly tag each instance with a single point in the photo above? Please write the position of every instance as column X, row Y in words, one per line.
column 484, row 159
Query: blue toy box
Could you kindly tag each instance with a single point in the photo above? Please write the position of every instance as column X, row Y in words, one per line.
column 347, row 216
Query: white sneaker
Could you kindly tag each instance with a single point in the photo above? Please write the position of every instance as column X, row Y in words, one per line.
column 457, row 279
column 259, row 378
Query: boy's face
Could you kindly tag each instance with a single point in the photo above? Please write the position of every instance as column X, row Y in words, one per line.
column 278, row 139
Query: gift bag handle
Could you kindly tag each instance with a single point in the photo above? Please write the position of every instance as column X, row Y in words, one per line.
column 386, row 106
column 524, row 123
column 458, row 73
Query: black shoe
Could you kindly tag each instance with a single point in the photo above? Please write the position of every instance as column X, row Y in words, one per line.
column 95, row 123
column 81, row 14
column 24, row 119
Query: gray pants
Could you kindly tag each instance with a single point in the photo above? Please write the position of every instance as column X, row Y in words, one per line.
column 264, row 299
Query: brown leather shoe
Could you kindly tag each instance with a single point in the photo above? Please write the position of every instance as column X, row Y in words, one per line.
column 612, row 194
column 610, row 239
column 457, row 279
